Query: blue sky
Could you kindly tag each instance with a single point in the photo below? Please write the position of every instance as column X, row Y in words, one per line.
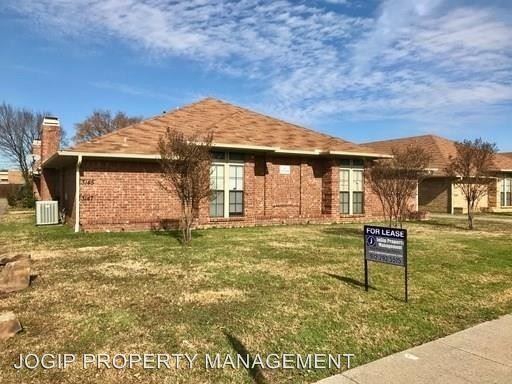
column 361, row 70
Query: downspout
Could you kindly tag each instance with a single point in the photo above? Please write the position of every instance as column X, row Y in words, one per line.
column 77, row 194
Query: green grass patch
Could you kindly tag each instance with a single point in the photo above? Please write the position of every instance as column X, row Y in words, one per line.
column 293, row 289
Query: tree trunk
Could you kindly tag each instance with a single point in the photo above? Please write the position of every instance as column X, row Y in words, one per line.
column 470, row 215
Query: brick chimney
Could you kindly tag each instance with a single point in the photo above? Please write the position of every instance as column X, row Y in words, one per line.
column 50, row 137
column 43, row 149
column 36, row 156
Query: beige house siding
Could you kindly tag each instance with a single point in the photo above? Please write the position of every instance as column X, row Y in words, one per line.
column 460, row 205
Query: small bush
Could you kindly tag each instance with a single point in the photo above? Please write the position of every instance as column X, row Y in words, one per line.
column 21, row 197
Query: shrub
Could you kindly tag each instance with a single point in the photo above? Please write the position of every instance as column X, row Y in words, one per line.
column 21, row 197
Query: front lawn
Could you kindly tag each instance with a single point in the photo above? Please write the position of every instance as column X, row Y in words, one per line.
column 285, row 289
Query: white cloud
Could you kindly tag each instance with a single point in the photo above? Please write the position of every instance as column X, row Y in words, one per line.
column 131, row 90
column 423, row 60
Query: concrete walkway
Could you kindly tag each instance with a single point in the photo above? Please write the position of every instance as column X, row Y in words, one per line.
column 479, row 355
column 495, row 218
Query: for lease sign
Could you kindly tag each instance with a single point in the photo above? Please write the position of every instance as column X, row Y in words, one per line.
column 385, row 245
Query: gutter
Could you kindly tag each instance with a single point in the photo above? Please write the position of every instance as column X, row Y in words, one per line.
column 277, row 150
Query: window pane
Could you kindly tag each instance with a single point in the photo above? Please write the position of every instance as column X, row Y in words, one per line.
column 345, row 162
column 358, row 163
column 345, row 203
column 217, row 177
column 218, row 155
column 236, row 177
column 357, row 208
column 344, row 180
column 236, row 206
column 233, row 156
column 217, row 204
column 357, row 180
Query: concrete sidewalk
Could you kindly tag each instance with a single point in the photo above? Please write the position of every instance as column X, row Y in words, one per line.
column 479, row 217
column 479, row 355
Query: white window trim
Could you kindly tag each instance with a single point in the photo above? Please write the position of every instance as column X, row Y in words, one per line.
column 504, row 189
column 226, row 163
column 350, row 168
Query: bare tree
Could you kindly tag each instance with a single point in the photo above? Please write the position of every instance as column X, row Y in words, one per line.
column 19, row 127
column 395, row 181
column 186, row 163
column 101, row 122
column 471, row 168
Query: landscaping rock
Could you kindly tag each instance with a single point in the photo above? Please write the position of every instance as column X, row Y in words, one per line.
column 9, row 258
column 9, row 325
column 15, row 275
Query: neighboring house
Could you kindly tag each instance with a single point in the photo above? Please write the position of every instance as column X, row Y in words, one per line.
column 265, row 171
column 11, row 176
column 438, row 193
column 10, row 180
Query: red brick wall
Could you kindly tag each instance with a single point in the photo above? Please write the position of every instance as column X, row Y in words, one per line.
column 45, row 186
column 123, row 194
column 372, row 204
column 50, row 140
column 68, row 193
column 493, row 194
column 435, row 195
column 126, row 195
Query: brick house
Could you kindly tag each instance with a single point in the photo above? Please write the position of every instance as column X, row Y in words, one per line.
column 264, row 171
column 438, row 193
column 11, row 177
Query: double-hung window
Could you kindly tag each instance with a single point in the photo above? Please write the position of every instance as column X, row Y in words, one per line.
column 352, row 187
column 227, row 185
column 217, row 189
column 506, row 191
column 236, row 190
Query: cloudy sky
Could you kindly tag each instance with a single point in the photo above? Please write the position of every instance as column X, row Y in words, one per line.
column 362, row 70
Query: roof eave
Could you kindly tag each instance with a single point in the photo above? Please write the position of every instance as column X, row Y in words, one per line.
column 361, row 154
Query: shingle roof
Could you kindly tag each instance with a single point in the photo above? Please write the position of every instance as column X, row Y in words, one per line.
column 440, row 148
column 229, row 124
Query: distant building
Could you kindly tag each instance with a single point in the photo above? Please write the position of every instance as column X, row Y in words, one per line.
column 438, row 192
column 12, row 176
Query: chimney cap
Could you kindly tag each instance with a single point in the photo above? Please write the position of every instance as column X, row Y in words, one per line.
column 51, row 120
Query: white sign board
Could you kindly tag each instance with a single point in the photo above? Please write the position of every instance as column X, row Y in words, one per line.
column 284, row 169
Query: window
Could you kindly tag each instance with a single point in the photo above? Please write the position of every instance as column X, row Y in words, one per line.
column 345, row 191
column 236, row 190
column 506, row 192
column 217, row 187
column 357, row 192
column 351, row 187
column 227, row 185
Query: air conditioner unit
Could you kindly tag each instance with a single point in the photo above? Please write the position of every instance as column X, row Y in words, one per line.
column 47, row 212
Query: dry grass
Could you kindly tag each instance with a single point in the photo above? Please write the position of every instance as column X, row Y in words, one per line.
column 294, row 289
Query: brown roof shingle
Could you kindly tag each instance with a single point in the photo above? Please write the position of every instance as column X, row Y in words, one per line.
column 231, row 125
column 440, row 148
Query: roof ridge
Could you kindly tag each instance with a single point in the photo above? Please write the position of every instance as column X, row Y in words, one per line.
column 140, row 123
column 325, row 135
column 429, row 135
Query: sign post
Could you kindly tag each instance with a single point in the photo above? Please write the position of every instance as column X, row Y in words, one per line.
column 388, row 246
